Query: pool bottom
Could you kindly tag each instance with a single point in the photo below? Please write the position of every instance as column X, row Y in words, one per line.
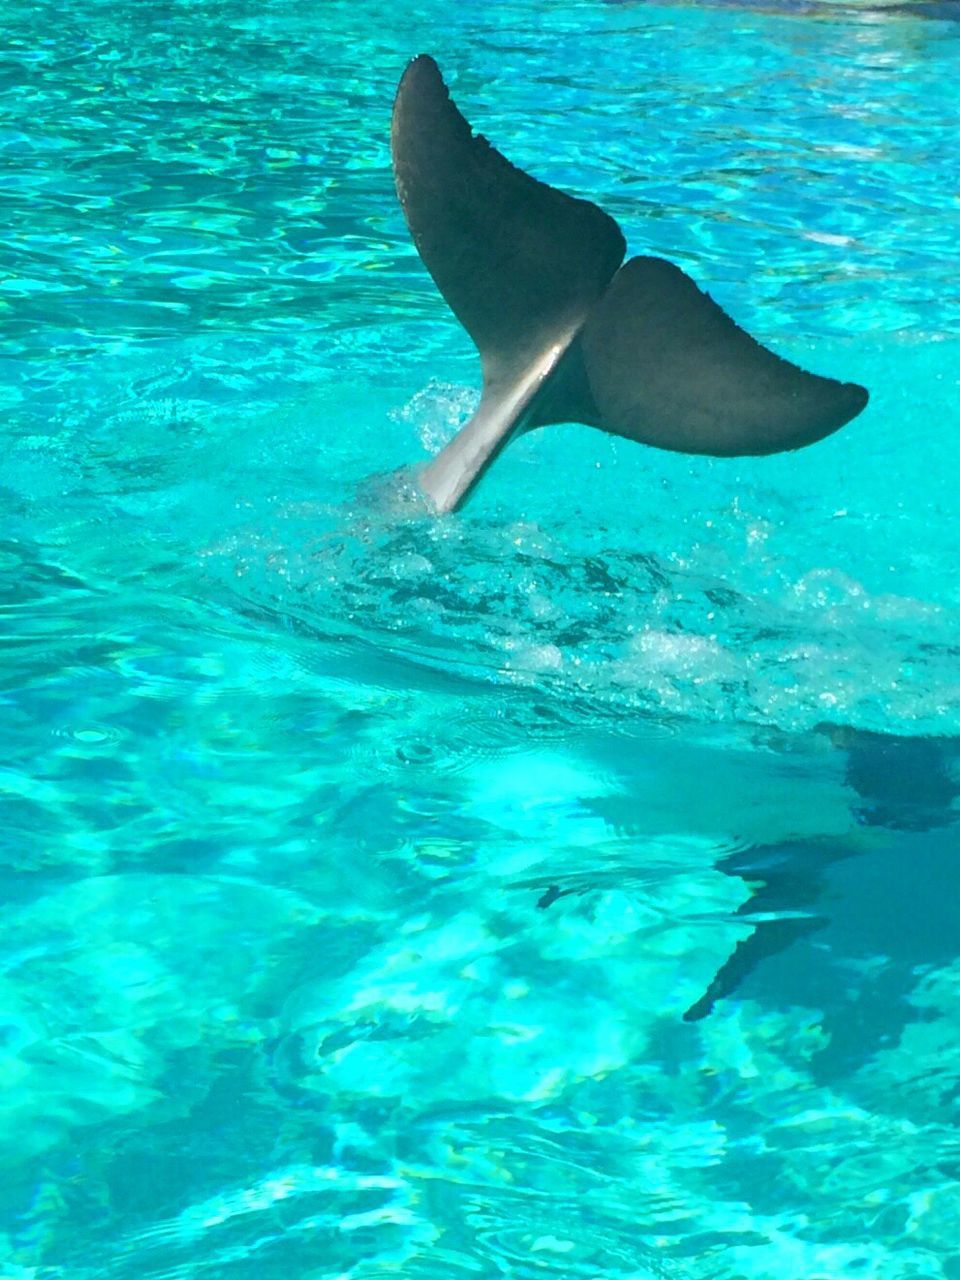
column 424, row 1009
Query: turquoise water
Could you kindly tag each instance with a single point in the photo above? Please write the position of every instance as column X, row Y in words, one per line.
column 566, row 888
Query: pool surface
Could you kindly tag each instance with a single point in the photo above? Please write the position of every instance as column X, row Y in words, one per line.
column 564, row 888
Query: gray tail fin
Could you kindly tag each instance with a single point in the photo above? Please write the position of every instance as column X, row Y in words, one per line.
column 532, row 275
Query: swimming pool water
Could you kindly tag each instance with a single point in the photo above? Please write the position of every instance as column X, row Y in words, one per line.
column 563, row 888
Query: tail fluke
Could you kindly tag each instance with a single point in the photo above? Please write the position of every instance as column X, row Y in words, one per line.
column 563, row 335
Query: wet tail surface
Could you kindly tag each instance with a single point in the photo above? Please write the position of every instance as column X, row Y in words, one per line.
column 566, row 334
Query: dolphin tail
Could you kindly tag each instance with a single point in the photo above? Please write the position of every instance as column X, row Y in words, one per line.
column 565, row 334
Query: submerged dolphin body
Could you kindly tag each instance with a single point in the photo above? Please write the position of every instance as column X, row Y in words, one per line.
column 564, row 331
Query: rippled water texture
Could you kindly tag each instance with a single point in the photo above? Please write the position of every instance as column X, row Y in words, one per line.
column 566, row 888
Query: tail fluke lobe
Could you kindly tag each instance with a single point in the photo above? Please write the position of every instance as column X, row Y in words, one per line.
column 668, row 367
column 519, row 263
column 563, row 334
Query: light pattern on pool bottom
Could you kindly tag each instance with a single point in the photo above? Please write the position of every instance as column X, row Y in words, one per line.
column 423, row 1010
